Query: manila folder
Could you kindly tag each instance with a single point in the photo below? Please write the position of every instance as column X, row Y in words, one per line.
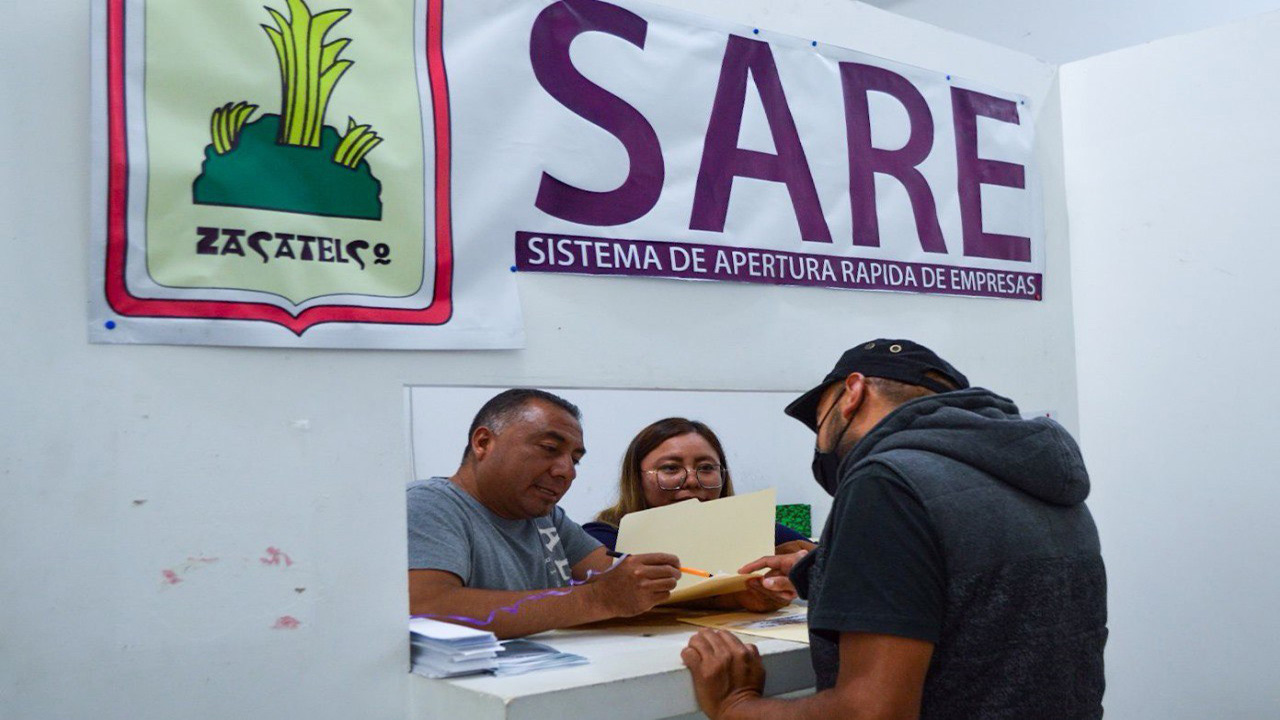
column 718, row 536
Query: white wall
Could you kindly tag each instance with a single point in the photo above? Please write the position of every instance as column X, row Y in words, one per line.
column 1172, row 176
column 120, row 462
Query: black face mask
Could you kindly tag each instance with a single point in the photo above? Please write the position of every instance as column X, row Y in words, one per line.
column 826, row 465
column 826, row 470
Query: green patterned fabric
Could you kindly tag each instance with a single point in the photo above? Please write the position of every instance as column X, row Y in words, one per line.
column 798, row 517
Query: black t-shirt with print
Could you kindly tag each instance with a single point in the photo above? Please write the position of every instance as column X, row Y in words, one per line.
column 878, row 569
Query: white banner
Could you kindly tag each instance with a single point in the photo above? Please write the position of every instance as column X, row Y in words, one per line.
column 665, row 144
column 316, row 175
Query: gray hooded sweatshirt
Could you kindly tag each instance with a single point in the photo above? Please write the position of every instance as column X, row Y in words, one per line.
column 1004, row 545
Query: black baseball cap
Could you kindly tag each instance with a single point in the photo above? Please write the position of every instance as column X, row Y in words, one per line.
column 900, row 360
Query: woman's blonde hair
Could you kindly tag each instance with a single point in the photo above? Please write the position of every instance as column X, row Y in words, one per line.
column 631, row 479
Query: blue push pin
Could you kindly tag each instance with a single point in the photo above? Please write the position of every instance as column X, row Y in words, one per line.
column 110, row 324
column 513, row 268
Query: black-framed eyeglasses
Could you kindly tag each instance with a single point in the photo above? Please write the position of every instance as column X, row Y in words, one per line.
column 672, row 477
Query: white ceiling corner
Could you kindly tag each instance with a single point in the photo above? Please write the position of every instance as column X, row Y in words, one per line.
column 1062, row 32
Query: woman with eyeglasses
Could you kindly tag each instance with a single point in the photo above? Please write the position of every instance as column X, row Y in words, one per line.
column 678, row 459
column 671, row 460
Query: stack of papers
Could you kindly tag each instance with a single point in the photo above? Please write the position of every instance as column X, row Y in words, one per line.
column 444, row 650
column 441, row 649
column 522, row 656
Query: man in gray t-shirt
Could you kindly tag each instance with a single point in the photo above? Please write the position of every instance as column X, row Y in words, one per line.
column 451, row 531
column 486, row 537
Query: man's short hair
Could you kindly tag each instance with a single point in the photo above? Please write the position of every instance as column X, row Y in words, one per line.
column 896, row 392
column 506, row 405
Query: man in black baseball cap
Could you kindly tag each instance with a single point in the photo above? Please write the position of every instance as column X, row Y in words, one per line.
column 959, row 572
column 900, row 360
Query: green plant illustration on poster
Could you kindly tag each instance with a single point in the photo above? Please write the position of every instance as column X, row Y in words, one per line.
column 293, row 162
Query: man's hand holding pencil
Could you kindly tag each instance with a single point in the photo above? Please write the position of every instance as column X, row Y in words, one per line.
column 636, row 583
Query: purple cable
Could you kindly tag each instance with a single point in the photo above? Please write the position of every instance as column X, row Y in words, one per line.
column 514, row 607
